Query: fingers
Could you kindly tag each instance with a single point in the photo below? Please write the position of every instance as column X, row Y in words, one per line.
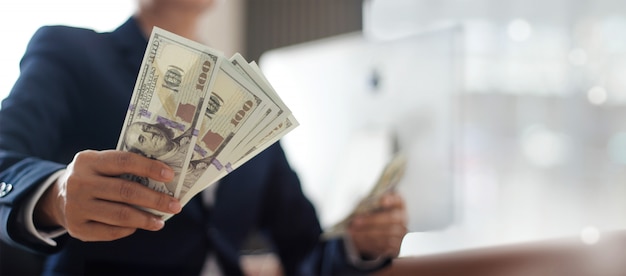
column 392, row 201
column 97, row 205
column 392, row 212
column 96, row 231
column 373, row 225
column 131, row 193
column 374, row 244
column 115, row 163
column 380, row 219
column 110, row 220
column 384, row 227
column 378, row 240
column 380, row 233
column 90, row 178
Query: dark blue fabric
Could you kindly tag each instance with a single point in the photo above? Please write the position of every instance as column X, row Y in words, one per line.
column 72, row 94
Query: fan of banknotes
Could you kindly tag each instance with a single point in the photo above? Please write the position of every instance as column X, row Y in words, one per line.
column 200, row 112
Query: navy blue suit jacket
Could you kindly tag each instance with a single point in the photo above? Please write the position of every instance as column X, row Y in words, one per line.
column 72, row 94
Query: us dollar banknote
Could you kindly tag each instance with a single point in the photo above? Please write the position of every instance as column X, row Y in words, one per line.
column 270, row 121
column 235, row 107
column 166, row 104
column 267, row 124
column 275, row 130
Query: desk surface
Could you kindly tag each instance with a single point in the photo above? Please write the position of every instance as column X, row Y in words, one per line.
column 561, row 256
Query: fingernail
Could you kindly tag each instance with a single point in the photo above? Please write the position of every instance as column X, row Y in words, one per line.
column 158, row 223
column 175, row 206
column 167, row 173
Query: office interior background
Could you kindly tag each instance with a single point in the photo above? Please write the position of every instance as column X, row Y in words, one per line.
column 518, row 104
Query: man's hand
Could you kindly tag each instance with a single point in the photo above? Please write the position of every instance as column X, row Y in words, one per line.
column 93, row 203
column 380, row 233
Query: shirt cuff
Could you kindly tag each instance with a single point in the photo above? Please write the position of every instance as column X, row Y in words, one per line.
column 354, row 258
column 29, row 210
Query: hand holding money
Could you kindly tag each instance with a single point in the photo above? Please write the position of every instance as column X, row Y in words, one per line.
column 379, row 233
column 92, row 204
column 387, row 182
column 200, row 113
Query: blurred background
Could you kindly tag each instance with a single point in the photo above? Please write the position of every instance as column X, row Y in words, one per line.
column 509, row 110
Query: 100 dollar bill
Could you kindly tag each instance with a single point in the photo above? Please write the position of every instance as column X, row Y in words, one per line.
column 235, row 106
column 167, row 101
column 236, row 154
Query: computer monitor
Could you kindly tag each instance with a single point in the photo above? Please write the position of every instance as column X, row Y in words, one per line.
column 358, row 102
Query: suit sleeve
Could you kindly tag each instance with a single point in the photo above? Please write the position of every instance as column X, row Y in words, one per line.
column 32, row 122
column 294, row 227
